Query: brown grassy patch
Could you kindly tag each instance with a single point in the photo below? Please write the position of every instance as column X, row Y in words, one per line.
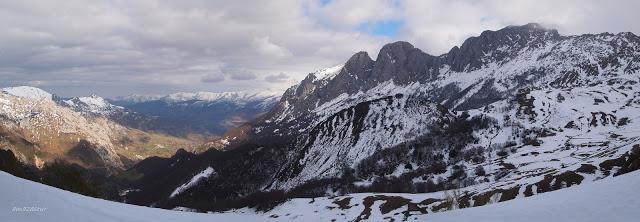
column 391, row 203
column 555, row 182
column 506, row 194
column 429, row 201
column 343, row 204
column 587, row 168
column 443, row 205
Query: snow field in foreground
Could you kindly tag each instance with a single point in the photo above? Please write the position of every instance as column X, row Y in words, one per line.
column 612, row 199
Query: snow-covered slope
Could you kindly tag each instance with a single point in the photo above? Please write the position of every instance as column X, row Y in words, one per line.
column 345, row 138
column 27, row 92
column 92, row 105
column 613, row 199
column 52, row 204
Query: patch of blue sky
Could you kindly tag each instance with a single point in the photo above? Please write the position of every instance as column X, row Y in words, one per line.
column 388, row 28
column 324, row 2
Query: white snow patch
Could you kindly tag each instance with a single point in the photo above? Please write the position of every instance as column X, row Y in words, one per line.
column 206, row 173
column 53, row 204
column 328, row 73
column 28, row 92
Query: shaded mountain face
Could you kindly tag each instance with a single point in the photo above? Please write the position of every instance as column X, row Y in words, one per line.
column 519, row 110
column 200, row 113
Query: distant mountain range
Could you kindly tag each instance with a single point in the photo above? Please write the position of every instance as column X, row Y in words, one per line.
column 205, row 113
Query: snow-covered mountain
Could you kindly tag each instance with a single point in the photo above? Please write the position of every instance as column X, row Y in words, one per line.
column 510, row 113
column 201, row 112
column 39, row 128
column 28, row 92
column 522, row 83
column 92, row 105
column 239, row 97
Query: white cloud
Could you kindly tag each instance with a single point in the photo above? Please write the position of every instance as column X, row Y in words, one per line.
column 438, row 25
column 152, row 46
column 277, row 78
column 239, row 73
column 213, row 78
column 268, row 49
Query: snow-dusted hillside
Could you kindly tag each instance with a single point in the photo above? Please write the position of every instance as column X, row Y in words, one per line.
column 92, row 105
column 27, row 92
column 612, row 199
column 344, row 139
column 24, row 200
column 39, row 129
column 581, row 203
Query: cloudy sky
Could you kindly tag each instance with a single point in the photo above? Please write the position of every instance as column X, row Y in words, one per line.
column 120, row 47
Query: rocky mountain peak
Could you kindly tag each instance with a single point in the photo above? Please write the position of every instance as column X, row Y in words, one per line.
column 530, row 27
column 358, row 60
column 498, row 45
column 394, row 49
column 402, row 62
column 523, row 33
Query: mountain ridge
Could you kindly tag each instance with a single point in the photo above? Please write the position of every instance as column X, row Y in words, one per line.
column 201, row 95
column 512, row 127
